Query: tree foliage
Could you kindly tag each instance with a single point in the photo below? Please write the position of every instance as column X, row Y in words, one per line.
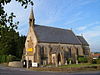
column 11, row 43
column 6, row 19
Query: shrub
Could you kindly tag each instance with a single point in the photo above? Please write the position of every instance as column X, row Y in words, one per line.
column 69, row 59
column 7, row 58
column 98, row 61
column 82, row 59
column 94, row 61
column 2, row 58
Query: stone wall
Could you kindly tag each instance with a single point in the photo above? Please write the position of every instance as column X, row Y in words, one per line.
column 47, row 49
column 17, row 64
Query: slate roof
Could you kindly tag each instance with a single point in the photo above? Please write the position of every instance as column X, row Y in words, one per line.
column 55, row 35
column 83, row 41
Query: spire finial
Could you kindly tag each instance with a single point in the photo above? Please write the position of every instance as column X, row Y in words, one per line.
column 31, row 14
column 31, row 18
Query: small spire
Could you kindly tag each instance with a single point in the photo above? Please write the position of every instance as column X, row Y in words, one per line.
column 81, row 34
column 31, row 14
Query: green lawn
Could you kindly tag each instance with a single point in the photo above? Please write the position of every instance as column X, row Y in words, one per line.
column 70, row 68
column 78, row 65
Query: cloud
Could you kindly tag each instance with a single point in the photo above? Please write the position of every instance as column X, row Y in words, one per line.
column 92, row 36
column 82, row 28
column 86, row 2
column 71, row 22
column 94, row 32
column 91, row 25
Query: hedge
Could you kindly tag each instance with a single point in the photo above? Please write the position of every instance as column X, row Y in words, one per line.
column 6, row 58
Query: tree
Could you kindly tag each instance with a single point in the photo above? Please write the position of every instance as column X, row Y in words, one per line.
column 20, row 46
column 10, row 41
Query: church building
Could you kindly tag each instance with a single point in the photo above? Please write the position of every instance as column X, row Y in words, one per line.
column 49, row 45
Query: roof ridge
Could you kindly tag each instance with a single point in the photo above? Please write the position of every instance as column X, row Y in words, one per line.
column 53, row 27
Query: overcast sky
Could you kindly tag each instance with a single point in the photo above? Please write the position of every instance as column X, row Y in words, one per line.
column 83, row 16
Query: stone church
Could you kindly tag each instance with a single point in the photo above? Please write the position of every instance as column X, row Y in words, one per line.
column 50, row 45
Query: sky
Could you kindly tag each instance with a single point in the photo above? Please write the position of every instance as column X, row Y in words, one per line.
column 82, row 16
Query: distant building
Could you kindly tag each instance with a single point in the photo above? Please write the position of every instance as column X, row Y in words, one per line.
column 96, row 55
column 50, row 45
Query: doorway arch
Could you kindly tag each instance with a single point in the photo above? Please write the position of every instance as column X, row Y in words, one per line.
column 59, row 58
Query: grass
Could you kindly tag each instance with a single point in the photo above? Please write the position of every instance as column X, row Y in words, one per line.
column 78, row 65
column 70, row 68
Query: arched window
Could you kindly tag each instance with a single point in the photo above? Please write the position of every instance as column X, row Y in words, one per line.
column 69, row 52
column 77, row 51
column 42, row 52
